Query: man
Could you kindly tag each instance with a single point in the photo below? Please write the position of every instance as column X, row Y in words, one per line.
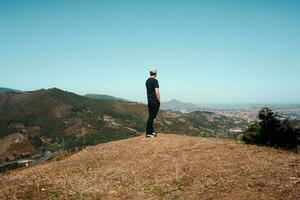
column 153, row 97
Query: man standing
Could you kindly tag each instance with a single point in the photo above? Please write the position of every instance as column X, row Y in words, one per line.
column 153, row 97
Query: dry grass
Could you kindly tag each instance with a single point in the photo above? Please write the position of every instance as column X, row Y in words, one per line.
column 167, row 167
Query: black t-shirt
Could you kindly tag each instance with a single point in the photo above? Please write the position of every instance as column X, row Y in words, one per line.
column 151, row 84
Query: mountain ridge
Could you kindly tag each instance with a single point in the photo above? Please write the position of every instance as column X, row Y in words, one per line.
column 5, row 90
column 105, row 97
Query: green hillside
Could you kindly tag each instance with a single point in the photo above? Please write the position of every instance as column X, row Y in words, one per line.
column 57, row 116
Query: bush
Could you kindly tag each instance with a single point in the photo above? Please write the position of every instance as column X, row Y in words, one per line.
column 203, row 134
column 270, row 130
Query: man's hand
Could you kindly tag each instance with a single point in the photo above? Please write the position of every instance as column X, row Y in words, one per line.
column 157, row 94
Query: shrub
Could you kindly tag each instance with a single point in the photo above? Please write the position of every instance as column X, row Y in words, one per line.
column 203, row 134
column 270, row 130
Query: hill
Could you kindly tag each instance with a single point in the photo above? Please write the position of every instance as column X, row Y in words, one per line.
column 55, row 112
column 55, row 120
column 105, row 97
column 4, row 90
column 167, row 167
column 176, row 105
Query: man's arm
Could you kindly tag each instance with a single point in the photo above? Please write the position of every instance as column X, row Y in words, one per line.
column 157, row 94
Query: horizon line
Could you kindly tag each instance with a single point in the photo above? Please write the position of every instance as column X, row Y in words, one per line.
column 169, row 99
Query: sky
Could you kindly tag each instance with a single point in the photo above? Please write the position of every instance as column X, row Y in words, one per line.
column 205, row 51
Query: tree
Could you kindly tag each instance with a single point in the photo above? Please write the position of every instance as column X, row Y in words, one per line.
column 270, row 130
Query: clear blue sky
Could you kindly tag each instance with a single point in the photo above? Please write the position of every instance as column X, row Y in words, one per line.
column 205, row 51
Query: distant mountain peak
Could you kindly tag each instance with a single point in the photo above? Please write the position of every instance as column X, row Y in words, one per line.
column 179, row 102
column 177, row 105
column 175, row 100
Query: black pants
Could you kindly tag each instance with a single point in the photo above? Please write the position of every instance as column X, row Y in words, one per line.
column 153, row 109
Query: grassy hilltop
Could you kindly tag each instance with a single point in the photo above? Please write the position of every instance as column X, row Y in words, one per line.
column 167, row 167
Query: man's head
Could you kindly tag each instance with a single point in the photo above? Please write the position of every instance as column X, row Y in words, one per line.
column 153, row 72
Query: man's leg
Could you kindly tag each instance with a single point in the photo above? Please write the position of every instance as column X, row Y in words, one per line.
column 155, row 111
column 151, row 117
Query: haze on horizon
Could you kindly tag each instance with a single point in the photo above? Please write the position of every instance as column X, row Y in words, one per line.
column 205, row 51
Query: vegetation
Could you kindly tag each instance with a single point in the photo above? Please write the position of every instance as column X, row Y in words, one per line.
column 272, row 131
column 203, row 134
